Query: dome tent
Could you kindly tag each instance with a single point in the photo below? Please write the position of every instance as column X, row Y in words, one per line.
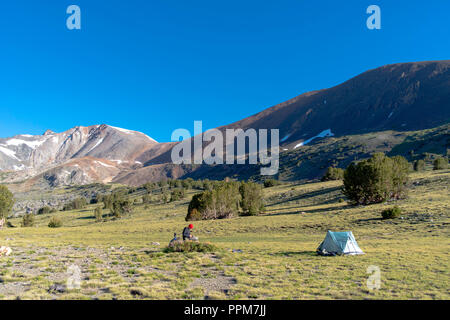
column 339, row 243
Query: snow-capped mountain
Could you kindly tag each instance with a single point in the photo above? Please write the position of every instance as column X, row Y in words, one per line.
column 83, row 154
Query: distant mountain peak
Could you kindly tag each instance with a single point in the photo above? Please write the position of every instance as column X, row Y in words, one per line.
column 48, row 132
column 78, row 155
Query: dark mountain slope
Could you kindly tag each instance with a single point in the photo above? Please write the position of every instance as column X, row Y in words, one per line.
column 406, row 96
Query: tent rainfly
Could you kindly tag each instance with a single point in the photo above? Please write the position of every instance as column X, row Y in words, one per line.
column 339, row 243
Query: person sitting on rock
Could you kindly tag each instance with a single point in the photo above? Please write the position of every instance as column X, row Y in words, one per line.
column 187, row 233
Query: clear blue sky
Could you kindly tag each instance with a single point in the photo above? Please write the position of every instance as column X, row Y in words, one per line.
column 158, row 65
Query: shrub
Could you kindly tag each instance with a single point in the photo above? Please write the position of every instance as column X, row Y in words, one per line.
column 164, row 197
column 98, row 212
column 162, row 183
column 197, row 184
column 419, row 165
column 119, row 195
column 176, row 184
column 333, row 174
column 76, row 204
column 55, row 223
column 271, row 183
column 207, row 185
column 121, row 207
column 251, row 198
column 440, row 163
column 10, row 225
column 147, row 199
column 108, row 202
column 193, row 215
column 186, row 184
column 391, row 213
column 44, row 210
column 177, row 194
column 221, row 202
column 149, row 186
column 376, row 180
column 189, row 246
column 97, row 199
column 400, row 171
column 28, row 220
column 225, row 199
column 6, row 201
column 196, row 206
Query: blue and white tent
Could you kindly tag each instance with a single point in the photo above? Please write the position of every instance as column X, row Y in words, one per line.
column 339, row 243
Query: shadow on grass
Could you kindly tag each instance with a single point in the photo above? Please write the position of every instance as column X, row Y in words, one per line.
column 308, row 195
column 321, row 210
column 86, row 218
column 297, row 253
column 368, row 220
column 104, row 216
column 151, row 251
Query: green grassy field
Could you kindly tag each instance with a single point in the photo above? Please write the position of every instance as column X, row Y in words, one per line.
column 271, row 256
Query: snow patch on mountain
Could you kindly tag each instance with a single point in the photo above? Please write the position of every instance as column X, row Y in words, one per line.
column 8, row 152
column 17, row 142
column 150, row 138
column 18, row 168
column 323, row 134
column 285, row 138
column 123, row 130
column 104, row 164
column 132, row 132
column 96, row 145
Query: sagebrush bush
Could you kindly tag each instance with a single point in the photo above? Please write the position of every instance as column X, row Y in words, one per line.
column 219, row 203
column 177, row 194
column 44, row 210
column 419, row 165
column 121, row 207
column 6, row 201
column 28, row 220
column 440, row 163
column 98, row 212
column 377, row 179
column 190, row 246
column 391, row 213
column 55, row 223
column 76, row 204
column 225, row 200
column 164, row 197
column 333, row 174
column 251, row 198
column 193, row 215
column 271, row 183
column 147, row 199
